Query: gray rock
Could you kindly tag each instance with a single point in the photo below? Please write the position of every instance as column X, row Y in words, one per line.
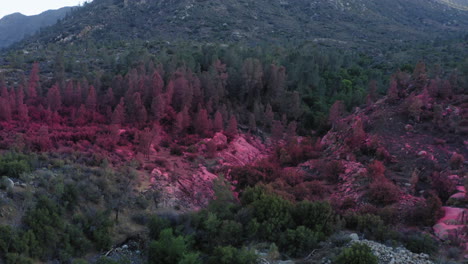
column 354, row 237
column 6, row 183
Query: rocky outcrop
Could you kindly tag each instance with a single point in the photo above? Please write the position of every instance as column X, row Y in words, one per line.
column 399, row 255
column 241, row 151
column 452, row 224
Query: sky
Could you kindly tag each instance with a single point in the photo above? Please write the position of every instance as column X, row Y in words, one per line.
column 34, row 7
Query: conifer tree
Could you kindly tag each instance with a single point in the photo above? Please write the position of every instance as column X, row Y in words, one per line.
column 336, row 112
column 5, row 110
column 392, row 92
column 201, row 122
column 118, row 116
column 218, row 122
column 33, row 83
column 91, row 99
column 158, row 107
column 231, row 130
column 54, row 100
column 277, row 130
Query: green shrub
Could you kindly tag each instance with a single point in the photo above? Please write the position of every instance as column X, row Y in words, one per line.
column 170, row 249
column 356, row 254
column 15, row 258
column 14, row 168
column 156, row 225
column 231, row 255
column 300, row 241
column 420, row 243
column 273, row 213
column 372, row 226
column 317, row 216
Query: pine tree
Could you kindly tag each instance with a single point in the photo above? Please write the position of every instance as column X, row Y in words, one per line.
column 277, row 130
column 252, row 73
column 54, row 100
column 91, row 100
column 12, row 100
column 252, row 123
column 291, row 130
column 183, row 93
column 201, row 122
column 68, row 99
column 33, row 84
column 157, row 84
column 43, row 138
column 269, row 116
column 5, row 110
column 77, row 95
column 158, row 107
column 392, row 92
column 445, row 90
column 218, row 122
column 145, row 139
column 118, row 116
column 372, row 92
column 23, row 113
column 231, row 130
column 336, row 112
column 109, row 99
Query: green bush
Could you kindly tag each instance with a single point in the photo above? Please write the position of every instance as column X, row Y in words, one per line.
column 14, row 168
column 420, row 243
column 155, row 225
column 372, row 226
column 170, row 249
column 300, row 241
column 15, row 258
column 356, row 254
column 317, row 216
column 273, row 213
column 231, row 255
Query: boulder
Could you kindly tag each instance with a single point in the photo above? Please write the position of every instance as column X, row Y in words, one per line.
column 6, row 183
column 452, row 221
column 219, row 139
column 354, row 237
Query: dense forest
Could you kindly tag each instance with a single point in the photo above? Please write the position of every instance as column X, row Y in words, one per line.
column 144, row 150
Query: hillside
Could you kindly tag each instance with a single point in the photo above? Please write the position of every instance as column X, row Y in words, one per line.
column 237, row 132
column 15, row 27
column 346, row 24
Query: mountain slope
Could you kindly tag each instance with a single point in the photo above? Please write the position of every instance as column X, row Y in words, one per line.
column 337, row 22
column 16, row 26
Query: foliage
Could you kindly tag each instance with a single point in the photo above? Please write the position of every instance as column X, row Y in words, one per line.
column 356, row 254
column 300, row 241
column 14, row 164
column 170, row 249
column 231, row 255
column 420, row 243
column 372, row 226
column 383, row 192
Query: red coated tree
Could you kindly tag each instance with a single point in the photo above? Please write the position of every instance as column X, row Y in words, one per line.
column 118, row 116
column 54, row 100
column 68, row 99
column 277, row 130
column 91, row 99
column 5, row 110
column 231, row 130
column 336, row 113
column 218, row 122
column 392, row 92
column 201, row 122
column 158, row 107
